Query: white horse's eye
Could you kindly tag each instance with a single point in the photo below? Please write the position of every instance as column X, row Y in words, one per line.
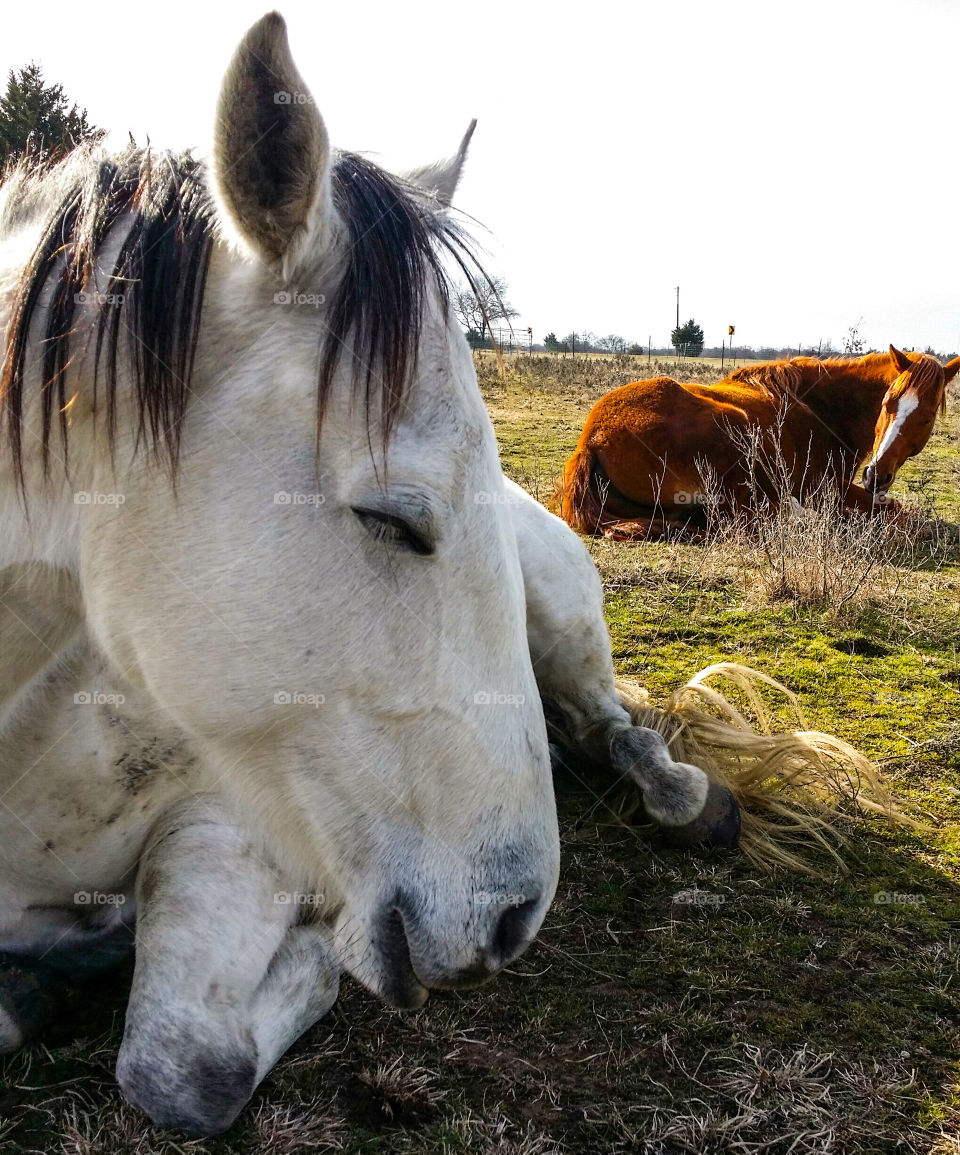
column 393, row 530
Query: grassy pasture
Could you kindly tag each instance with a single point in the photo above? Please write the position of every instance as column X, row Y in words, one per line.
column 775, row 1014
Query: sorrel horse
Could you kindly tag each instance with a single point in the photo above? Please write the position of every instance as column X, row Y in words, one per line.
column 275, row 629
column 638, row 469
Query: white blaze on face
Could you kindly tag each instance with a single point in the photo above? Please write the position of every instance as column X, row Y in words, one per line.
column 905, row 406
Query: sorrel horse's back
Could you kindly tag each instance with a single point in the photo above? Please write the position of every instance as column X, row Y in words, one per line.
column 650, row 450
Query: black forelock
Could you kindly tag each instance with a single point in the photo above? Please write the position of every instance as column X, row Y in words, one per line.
column 396, row 243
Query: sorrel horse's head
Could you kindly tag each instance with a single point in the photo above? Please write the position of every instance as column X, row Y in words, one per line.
column 330, row 603
column 907, row 415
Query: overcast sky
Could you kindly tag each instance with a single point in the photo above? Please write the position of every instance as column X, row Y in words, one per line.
column 793, row 167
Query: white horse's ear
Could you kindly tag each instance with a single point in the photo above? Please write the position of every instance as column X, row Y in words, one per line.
column 271, row 155
column 441, row 179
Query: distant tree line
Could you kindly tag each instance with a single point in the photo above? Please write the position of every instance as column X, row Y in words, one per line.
column 587, row 342
column 484, row 307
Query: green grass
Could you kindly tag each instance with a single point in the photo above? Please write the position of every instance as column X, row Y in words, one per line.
column 781, row 1014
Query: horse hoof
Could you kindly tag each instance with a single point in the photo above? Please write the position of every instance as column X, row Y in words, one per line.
column 196, row 1093
column 717, row 824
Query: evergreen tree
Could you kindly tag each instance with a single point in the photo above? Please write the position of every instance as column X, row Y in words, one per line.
column 35, row 115
column 688, row 339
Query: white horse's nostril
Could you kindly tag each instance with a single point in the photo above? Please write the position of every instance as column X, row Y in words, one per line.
column 512, row 932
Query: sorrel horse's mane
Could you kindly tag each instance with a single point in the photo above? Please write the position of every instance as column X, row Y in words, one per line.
column 778, row 379
column 396, row 243
column 785, row 380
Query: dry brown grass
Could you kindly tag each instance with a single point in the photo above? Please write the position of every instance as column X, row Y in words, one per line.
column 578, row 375
column 789, row 1100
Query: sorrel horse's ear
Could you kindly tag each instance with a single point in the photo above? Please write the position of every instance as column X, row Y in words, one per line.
column 441, row 178
column 900, row 359
column 950, row 369
column 271, row 154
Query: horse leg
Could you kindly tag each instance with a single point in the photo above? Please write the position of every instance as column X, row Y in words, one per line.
column 570, row 651
column 856, row 499
column 225, row 980
column 657, row 526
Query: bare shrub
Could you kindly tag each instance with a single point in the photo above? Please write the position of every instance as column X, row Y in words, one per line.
column 816, row 552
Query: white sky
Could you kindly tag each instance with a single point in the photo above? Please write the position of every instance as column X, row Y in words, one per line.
column 794, row 168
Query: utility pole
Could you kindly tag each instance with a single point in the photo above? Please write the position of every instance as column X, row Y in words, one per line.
column 678, row 306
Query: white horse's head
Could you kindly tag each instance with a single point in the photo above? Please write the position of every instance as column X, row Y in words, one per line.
column 333, row 611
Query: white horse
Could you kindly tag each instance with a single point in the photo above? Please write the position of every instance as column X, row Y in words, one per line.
column 275, row 630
